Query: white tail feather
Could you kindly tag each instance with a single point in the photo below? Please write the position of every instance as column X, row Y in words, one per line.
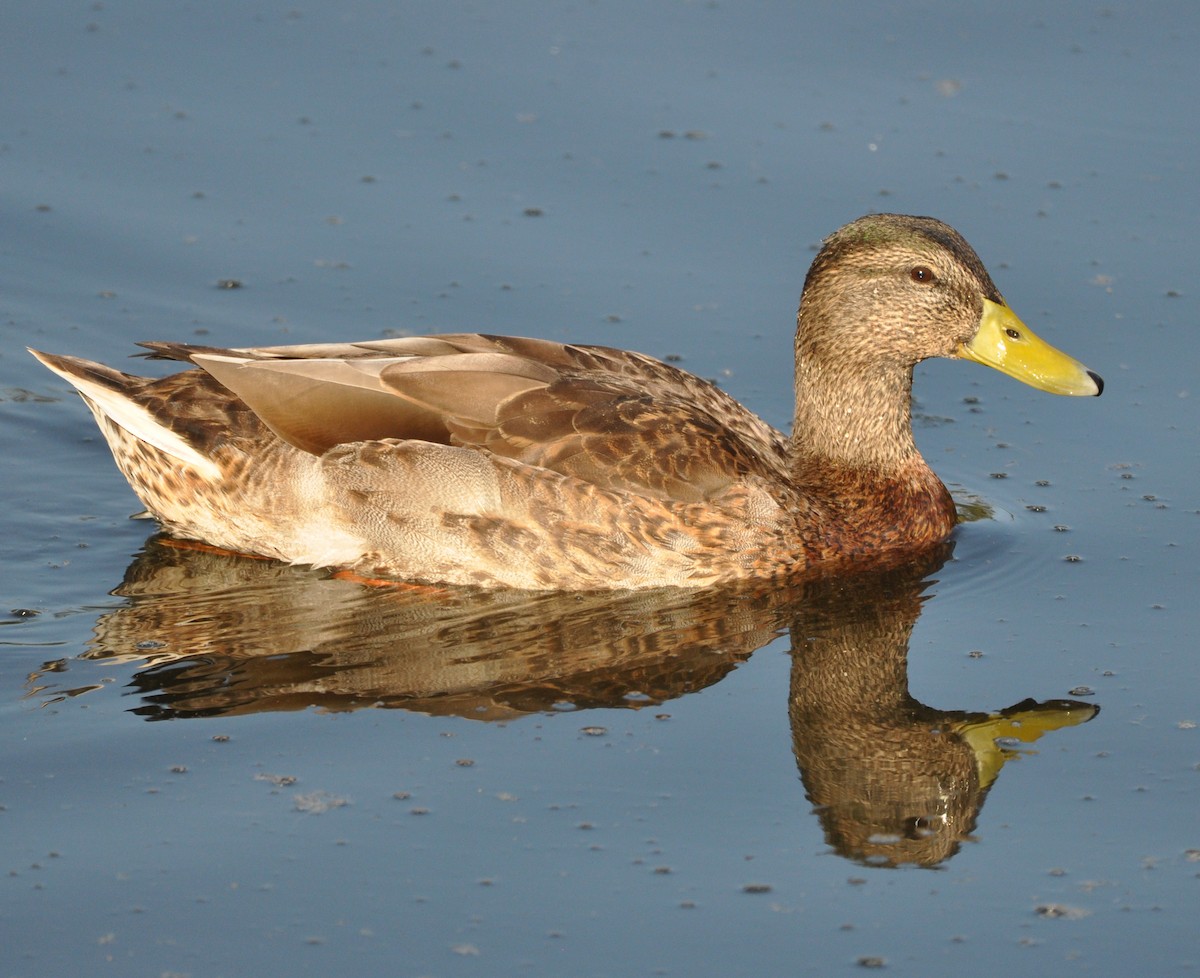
column 119, row 409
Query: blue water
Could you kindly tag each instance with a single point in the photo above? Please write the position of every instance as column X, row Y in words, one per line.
column 219, row 767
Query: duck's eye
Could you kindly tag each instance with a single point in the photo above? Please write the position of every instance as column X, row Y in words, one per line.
column 1013, row 334
column 923, row 274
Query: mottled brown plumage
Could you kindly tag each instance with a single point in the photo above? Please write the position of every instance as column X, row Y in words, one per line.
column 511, row 462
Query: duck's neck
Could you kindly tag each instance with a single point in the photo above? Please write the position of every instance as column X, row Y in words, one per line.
column 850, row 419
column 854, row 457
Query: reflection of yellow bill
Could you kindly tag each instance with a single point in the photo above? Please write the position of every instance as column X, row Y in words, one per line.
column 1006, row 343
column 987, row 736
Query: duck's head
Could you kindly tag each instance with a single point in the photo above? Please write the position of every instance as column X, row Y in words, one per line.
column 893, row 289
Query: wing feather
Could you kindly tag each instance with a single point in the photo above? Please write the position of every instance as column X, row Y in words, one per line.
column 618, row 420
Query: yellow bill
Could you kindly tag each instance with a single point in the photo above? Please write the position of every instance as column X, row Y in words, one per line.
column 1006, row 343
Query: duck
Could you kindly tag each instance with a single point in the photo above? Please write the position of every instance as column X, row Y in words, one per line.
column 515, row 462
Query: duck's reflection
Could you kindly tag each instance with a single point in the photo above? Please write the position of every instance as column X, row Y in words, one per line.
column 893, row 781
column 227, row 635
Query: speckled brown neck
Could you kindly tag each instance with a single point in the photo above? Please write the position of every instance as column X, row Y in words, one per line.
column 853, row 451
column 850, row 417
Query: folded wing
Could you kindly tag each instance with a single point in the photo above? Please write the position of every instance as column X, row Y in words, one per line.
column 614, row 419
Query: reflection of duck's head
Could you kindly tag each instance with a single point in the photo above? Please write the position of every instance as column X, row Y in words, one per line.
column 908, row 789
column 893, row 780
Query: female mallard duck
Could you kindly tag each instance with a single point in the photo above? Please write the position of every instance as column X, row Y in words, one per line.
column 508, row 462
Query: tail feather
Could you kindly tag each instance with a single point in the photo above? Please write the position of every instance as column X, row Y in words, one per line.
column 78, row 372
column 182, row 352
column 109, row 394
